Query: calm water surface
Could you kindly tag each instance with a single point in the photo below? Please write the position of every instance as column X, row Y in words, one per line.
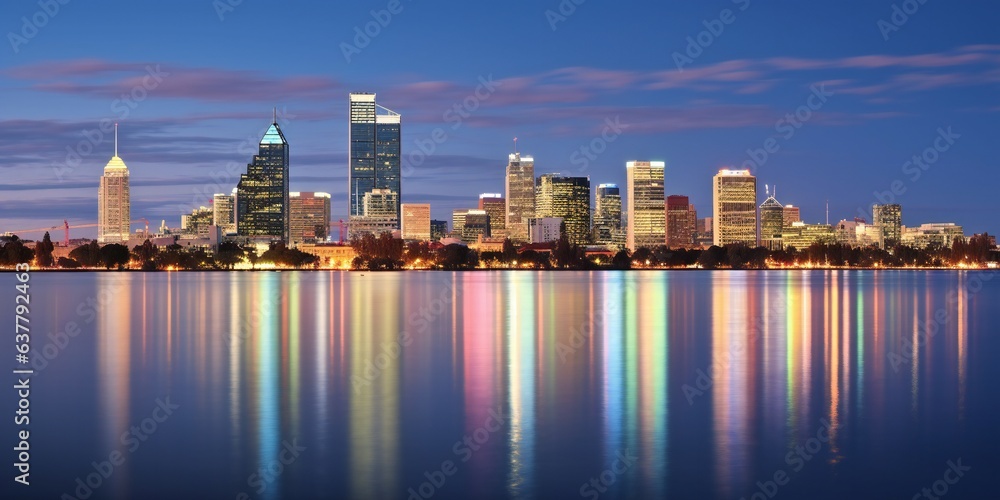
column 514, row 385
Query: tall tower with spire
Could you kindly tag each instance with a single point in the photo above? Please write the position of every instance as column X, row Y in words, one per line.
column 262, row 204
column 113, row 202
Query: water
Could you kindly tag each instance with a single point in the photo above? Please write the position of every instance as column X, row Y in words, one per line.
column 512, row 384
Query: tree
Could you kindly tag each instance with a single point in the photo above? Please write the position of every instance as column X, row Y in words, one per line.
column 712, row 258
column 66, row 263
column 228, row 255
column 622, row 260
column 115, row 255
column 14, row 252
column 88, row 255
column 43, row 251
column 252, row 256
column 564, row 253
column 145, row 254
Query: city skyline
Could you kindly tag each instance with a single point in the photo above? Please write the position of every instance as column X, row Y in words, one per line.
column 698, row 118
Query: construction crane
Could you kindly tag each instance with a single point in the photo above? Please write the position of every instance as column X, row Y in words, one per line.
column 65, row 226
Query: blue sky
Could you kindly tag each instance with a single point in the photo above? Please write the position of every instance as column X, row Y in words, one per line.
column 205, row 86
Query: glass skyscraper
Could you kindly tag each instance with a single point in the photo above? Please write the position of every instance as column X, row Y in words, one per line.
column 374, row 152
column 734, row 212
column 567, row 198
column 262, row 207
column 647, row 220
column 608, row 216
column 520, row 190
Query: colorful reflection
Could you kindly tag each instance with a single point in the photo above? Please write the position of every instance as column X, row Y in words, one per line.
column 267, row 358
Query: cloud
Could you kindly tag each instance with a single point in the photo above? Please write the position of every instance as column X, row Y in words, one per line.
column 107, row 79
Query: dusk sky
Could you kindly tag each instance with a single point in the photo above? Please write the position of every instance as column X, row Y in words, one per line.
column 555, row 90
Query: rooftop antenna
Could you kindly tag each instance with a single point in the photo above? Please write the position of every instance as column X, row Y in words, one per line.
column 766, row 191
column 515, row 145
column 274, row 115
column 828, row 212
column 116, row 139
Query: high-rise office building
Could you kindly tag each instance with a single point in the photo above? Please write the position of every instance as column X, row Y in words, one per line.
column 262, row 208
column 374, row 152
column 647, row 224
column 439, row 229
column 681, row 220
column 734, row 207
column 416, row 223
column 475, row 223
column 224, row 212
column 567, row 198
column 544, row 229
column 772, row 221
column 608, row 216
column 495, row 205
column 520, row 191
column 458, row 221
column 310, row 217
column 790, row 215
column 889, row 219
column 113, row 201
column 196, row 224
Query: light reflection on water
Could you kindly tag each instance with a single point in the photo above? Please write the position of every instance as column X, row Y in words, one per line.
column 709, row 379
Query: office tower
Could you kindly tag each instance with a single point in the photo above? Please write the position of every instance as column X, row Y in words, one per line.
column 416, row 223
column 382, row 203
column 196, row 223
column 310, row 217
column 475, row 223
column 646, row 210
column 734, row 206
column 790, row 214
column 567, row 198
column 374, row 152
column 772, row 221
column 680, row 224
column 495, row 205
column 113, row 201
column 608, row 216
column 935, row 234
column 544, row 229
column 458, row 221
column 262, row 193
column 520, row 190
column 224, row 212
column 889, row 219
column 439, row 229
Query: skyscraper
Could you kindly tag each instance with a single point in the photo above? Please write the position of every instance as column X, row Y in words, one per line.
column 416, row 223
column 520, row 190
column 567, row 198
column 262, row 208
column 889, row 219
column 475, row 223
column 772, row 221
column 646, row 218
column 734, row 207
column 113, row 201
column 310, row 217
column 608, row 216
column 224, row 211
column 790, row 215
column 374, row 152
column 495, row 205
column 439, row 229
column 680, row 222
